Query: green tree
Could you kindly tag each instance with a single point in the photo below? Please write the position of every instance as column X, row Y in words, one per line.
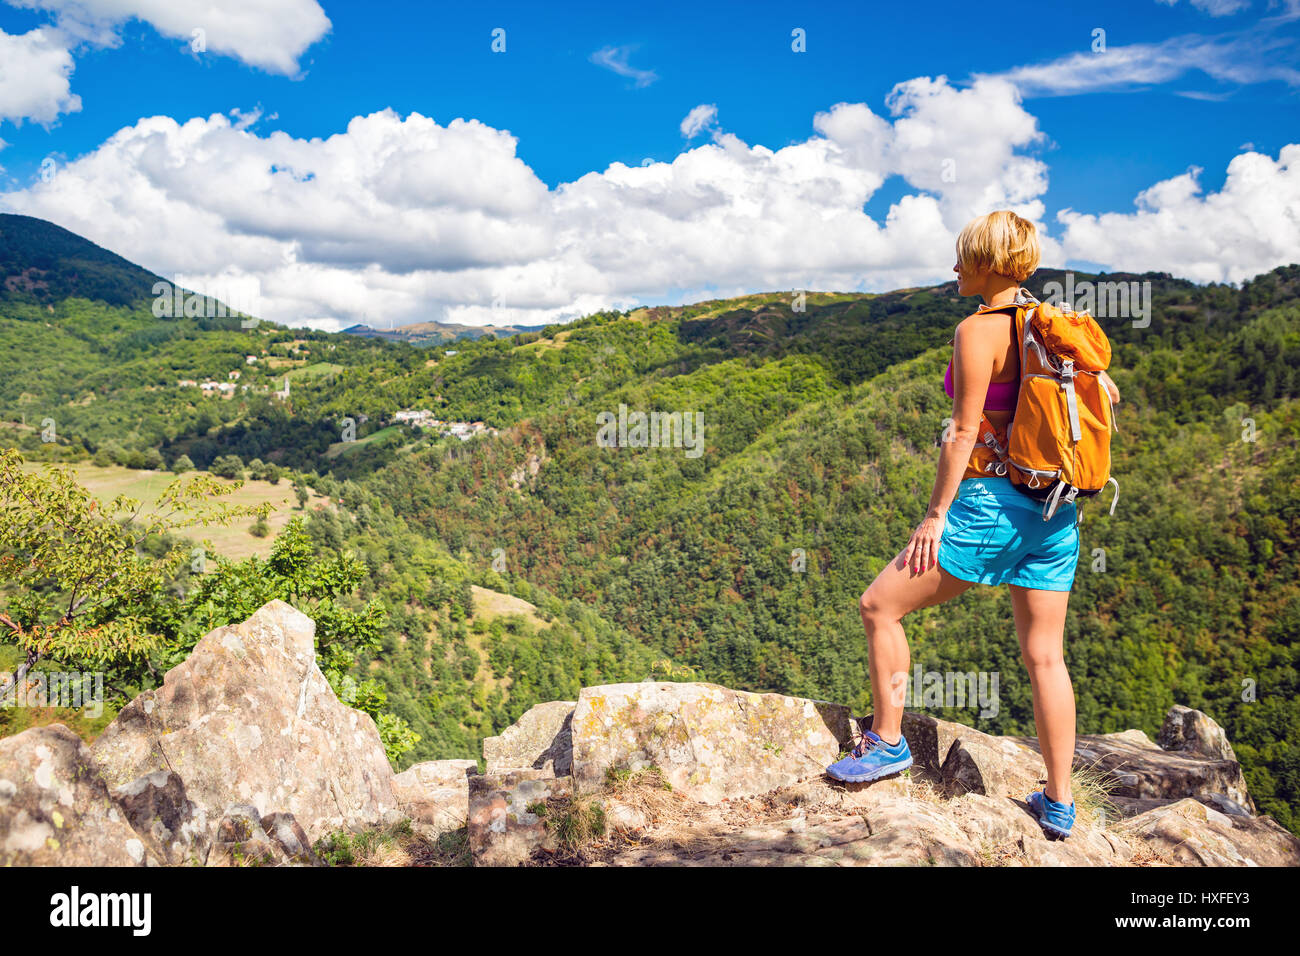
column 80, row 584
column 227, row 466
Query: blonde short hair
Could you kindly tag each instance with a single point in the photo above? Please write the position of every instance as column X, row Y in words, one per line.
column 1000, row 242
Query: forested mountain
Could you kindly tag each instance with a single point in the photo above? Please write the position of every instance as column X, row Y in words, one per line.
column 44, row 263
column 742, row 564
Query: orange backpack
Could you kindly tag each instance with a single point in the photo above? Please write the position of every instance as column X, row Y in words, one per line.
column 1057, row 445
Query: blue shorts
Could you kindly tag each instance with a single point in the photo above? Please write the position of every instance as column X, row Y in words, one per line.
column 995, row 534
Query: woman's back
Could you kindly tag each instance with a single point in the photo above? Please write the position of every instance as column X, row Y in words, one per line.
column 1004, row 382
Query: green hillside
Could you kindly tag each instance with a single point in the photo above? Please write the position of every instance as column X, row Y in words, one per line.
column 821, row 426
column 822, row 436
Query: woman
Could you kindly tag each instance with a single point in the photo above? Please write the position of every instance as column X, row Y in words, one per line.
column 981, row 530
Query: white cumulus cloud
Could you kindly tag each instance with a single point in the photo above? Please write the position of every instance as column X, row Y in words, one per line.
column 1249, row 226
column 402, row 219
column 407, row 220
column 34, row 73
column 269, row 34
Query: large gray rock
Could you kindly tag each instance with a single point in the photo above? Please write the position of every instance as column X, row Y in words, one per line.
column 964, row 760
column 1137, row 767
column 709, row 742
column 248, row 718
column 55, row 808
column 902, row 833
column 435, row 794
column 1192, row 731
column 1189, row 833
column 539, row 740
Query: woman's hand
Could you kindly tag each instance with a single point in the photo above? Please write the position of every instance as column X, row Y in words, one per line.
column 923, row 550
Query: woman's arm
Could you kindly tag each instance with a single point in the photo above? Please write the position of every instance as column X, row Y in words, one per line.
column 1110, row 387
column 972, row 368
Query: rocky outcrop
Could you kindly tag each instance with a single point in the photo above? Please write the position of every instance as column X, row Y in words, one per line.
column 55, row 808
column 244, row 757
column 541, row 739
column 961, row 805
column 248, row 718
column 708, row 741
column 1189, row 833
column 1193, row 732
column 892, row 823
column 1137, row 768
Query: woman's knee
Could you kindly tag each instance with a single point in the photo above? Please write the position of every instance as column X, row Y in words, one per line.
column 1042, row 657
column 872, row 610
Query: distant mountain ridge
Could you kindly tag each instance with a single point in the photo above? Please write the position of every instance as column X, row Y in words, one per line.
column 439, row 333
column 45, row 263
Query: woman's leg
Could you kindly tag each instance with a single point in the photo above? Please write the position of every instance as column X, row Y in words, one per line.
column 1040, row 623
column 894, row 594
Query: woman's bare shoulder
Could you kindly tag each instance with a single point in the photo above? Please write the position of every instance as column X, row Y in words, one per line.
column 981, row 324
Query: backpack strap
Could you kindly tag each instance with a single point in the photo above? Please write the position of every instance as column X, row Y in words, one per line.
column 1071, row 398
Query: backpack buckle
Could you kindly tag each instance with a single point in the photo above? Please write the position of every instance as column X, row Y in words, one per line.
column 1056, row 499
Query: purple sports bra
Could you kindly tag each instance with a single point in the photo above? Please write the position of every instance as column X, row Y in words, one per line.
column 1001, row 396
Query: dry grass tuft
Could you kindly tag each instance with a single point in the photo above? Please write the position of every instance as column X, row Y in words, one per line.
column 649, row 795
column 1092, row 789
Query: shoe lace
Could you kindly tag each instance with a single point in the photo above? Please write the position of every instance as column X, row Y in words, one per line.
column 862, row 743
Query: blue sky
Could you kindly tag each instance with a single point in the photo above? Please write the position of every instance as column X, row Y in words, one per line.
column 583, row 86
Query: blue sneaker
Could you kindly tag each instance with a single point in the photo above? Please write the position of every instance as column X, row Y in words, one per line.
column 871, row 759
column 1056, row 819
